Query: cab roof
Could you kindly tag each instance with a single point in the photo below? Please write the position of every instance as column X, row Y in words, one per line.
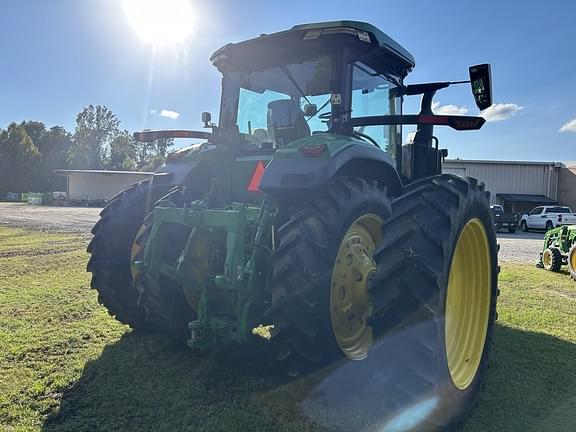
column 361, row 37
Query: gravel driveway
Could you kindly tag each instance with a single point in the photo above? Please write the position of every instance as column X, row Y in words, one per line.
column 69, row 219
column 518, row 247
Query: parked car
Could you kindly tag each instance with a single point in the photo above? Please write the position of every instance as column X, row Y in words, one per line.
column 547, row 217
column 503, row 220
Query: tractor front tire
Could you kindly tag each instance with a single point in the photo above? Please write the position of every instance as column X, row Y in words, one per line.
column 552, row 259
column 110, row 251
column 435, row 292
column 321, row 274
column 572, row 261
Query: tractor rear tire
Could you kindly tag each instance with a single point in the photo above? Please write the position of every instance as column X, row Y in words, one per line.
column 164, row 302
column 552, row 259
column 436, row 287
column 110, row 254
column 326, row 245
column 572, row 261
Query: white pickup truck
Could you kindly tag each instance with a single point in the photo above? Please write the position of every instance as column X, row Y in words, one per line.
column 547, row 217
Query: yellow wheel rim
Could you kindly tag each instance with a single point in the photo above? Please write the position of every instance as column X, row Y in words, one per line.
column 138, row 248
column 547, row 259
column 572, row 259
column 468, row 303
column 350, row 304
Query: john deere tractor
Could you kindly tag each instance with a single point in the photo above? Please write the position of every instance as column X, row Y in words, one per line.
column 559, row 249
column 302, row 212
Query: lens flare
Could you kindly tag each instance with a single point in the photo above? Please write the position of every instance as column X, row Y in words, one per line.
column 412, row 417
column 160, row 22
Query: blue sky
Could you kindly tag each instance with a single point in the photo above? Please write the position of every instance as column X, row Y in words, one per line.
column 60, row 55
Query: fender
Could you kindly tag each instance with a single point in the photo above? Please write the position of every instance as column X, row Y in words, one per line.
column 192, row 167
column 301, row 174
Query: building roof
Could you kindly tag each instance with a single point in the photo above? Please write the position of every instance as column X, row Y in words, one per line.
column 503, row 162
column 526, row 198
column 104, row 172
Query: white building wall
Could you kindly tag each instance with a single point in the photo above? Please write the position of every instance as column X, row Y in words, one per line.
column 512, row 178
column 97, row 185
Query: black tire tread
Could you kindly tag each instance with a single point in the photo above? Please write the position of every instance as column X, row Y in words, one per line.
column 301, row 269
column 556, row 259
column 109, row 252
column 412, row 265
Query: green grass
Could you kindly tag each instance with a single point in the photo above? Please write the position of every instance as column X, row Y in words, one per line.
column 65, row 365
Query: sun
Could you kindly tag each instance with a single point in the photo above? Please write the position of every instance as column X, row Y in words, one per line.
column 160, row 22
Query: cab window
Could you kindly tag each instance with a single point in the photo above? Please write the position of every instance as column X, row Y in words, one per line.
column 371, row 96
column 536, row 211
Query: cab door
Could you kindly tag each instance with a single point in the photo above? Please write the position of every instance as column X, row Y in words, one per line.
column 536, row 219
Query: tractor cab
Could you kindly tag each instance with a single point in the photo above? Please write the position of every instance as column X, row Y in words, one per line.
column 329, row 91
column 310, row 80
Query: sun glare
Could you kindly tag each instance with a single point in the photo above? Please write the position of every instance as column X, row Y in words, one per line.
column 160, row 22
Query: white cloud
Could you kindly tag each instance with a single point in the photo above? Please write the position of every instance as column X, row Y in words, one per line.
column 153, row 112
column 448, row 109
column 169, row 114
column 569, row 126
column 500, row 111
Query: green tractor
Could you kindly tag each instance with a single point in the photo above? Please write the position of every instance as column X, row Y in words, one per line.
column 559, row 249
column 302, row 213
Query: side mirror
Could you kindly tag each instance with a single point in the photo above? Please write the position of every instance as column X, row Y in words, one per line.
column 310, row 110
column 481, row 82
column 206, row 119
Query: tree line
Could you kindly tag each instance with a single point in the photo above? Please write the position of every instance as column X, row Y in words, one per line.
column 30, row 151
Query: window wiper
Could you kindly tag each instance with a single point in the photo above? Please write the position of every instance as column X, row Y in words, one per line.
column 293, row 81
column 388, row 77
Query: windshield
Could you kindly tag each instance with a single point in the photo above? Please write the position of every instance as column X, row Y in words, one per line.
column 275, row 105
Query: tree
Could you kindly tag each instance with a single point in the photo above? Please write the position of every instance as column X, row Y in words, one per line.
column 54, row 145
column 153, row 154
column 36, row 131
column 96, row 128
column 123, row 153
column 20, row 160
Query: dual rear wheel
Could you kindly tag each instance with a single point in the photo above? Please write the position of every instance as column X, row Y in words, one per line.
column 429, row 273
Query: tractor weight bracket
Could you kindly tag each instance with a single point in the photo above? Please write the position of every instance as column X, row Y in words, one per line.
column 153, row 135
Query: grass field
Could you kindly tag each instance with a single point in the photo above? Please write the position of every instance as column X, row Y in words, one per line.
column 65, row 365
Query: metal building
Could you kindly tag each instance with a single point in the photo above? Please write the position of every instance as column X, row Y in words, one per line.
column 567, row 186
column 517, row 186
column 96, row 185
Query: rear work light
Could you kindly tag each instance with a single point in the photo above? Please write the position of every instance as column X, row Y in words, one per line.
column 312, row 151
column 316, row 33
